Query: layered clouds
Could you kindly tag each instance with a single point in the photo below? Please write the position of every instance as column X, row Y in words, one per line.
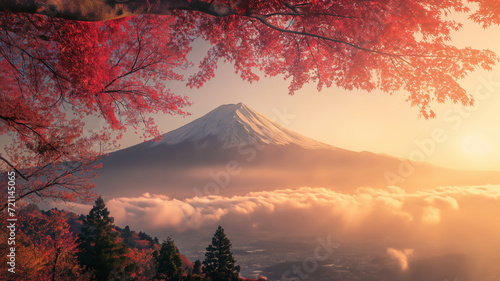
column 448, row 213
column 404, row 232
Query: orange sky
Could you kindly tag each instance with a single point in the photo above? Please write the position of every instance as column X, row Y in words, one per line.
column 374, row 121
column 359, row 120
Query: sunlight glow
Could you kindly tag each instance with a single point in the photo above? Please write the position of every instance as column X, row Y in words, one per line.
column 475, row 146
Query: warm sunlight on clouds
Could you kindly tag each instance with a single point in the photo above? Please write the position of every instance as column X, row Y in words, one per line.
column 451, row 214
column 431, row 215
column 401, row 256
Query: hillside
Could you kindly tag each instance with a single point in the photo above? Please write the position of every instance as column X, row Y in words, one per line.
column 239, row 150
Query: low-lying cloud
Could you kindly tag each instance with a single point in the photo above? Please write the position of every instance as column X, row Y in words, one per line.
column 442, row 213
column 401, row 256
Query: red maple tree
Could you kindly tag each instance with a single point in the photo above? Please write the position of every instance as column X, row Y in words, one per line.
column 45, row 247
column 51, row 233
column 55, row 68
column 111, row 58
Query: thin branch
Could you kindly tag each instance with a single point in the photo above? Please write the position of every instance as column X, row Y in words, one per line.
column 308, row 14
column 14, row 168
column 263, row 20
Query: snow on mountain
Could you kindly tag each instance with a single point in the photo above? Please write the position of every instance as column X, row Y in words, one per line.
column 236, row 124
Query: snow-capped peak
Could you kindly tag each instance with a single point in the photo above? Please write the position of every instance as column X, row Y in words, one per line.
column 236, row 124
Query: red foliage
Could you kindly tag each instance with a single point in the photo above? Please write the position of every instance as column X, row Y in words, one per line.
column 55, row 244
column 52, row 68
column 394, row 46
column 142, row 244
column 186, row 262
column 488, row 12
column 145, row 261
column 116, row 70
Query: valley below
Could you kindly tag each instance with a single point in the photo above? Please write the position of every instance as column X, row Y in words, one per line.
column 298, row 209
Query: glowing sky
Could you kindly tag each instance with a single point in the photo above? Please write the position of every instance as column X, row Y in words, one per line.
column 462, row 138
column 359, row 120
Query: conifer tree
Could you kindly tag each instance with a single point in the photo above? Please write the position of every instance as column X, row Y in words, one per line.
column 99, row 248
column 219, row 264
column 127, row 237
column 169, row 262
column 197, row 267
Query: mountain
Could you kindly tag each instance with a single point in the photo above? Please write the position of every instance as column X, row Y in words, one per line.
column 235, row 124
column 235, row 150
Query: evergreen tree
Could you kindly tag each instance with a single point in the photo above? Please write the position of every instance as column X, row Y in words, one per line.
column 219, row 264
column 144, row 236
column 193, row 277
column 127, row 236
column 99, row 248
column 197, row 267
column 169, row 262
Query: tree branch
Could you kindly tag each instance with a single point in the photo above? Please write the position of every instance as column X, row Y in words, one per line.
column 263, row 20
column 93, row 10
column 14, row 168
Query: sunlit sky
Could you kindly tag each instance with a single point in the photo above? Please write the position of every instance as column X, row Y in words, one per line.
column 374, row 121
column 364, row 121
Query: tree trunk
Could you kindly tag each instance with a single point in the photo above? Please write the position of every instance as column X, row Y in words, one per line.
column 54, row 269
column 102, row 10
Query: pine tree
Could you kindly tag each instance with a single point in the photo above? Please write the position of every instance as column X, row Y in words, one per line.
column 197, row 267
column 219, row 264
column 169, row 262
column 127, row 237
column 99, row 248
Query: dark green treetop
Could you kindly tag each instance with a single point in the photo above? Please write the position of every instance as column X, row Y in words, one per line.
column 219, row 263
column 99, row 248
column 169, row 265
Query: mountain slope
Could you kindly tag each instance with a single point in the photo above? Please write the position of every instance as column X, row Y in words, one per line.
column 234, row 150
column 235, row 124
